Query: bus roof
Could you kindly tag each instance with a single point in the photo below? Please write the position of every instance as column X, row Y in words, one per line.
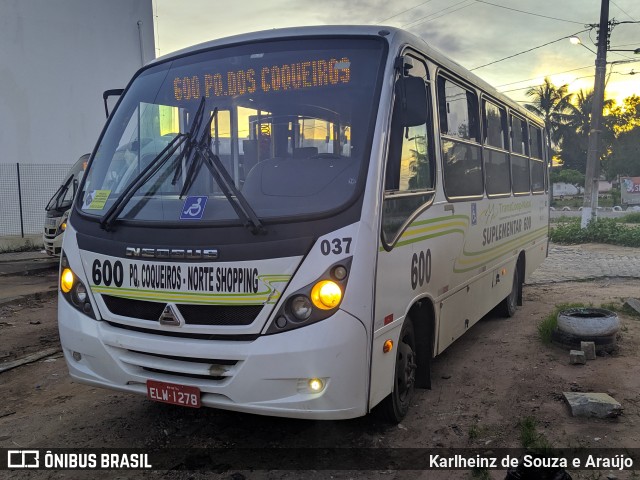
column 396, row 38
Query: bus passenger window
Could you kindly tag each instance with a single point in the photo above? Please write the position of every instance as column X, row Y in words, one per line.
column 496, row 155
column 461, row 152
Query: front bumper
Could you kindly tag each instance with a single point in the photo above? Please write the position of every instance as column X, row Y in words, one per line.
column 266, row 376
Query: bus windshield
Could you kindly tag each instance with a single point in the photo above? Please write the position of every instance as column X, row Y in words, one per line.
column 292, row 128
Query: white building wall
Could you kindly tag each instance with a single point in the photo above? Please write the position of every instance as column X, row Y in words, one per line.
column 56, row 59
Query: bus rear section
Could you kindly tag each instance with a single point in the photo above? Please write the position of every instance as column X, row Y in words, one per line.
column 216, row 254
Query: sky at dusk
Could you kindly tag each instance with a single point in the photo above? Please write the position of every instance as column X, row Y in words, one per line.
column 471, row 32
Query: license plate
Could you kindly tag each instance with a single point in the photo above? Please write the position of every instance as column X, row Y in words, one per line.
column 175, row 394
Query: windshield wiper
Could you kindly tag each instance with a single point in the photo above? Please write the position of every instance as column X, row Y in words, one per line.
column 237, row 200
column 106, row 222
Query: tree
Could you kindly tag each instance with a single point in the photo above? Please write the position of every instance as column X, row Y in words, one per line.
column 567, row 175
column 550, row 103
column 624, row 158
column 574, row 131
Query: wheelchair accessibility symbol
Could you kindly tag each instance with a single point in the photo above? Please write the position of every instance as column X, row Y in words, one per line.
column 193, row 208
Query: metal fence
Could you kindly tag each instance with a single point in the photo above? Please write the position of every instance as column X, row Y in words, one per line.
column 25, row 190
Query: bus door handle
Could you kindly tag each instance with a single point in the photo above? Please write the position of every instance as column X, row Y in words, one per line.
column 449, row 208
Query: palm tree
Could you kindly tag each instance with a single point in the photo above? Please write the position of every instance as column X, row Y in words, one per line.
column 573, row 132
column 551, row 103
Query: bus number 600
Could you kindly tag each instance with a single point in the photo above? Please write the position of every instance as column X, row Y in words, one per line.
column 420, row 269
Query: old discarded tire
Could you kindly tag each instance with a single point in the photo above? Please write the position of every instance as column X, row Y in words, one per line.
column 588, row 322
column 570, row 341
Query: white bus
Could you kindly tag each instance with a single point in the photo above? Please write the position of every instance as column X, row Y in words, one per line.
column 59, row 207
column 295, row 222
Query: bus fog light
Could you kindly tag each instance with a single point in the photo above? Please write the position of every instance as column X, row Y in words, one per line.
column 281, row 321
column 66, row 280
column 77, row 356
column 326, row 295
column 316, row 385
column 301, row 307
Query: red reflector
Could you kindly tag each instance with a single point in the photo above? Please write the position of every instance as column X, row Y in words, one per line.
column 388, row 319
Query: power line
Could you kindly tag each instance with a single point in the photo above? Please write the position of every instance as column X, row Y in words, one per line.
column 531, row 13
column 404, row 11
column 618, row 7
column 546, row 75
column 427, row 19
column 533, row 86
column 527, row 51
column 626, row 45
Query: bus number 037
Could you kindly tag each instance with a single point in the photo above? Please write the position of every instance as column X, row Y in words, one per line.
column 420, row 269
column 336, row 246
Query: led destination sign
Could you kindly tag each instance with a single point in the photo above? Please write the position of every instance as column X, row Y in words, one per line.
column 289, row 76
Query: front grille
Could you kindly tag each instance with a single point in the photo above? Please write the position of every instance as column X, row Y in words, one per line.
column 219, row 314
column 127, row 307
column 196, row 368
column 188, row 359
column 214, row 315
column 197, row 336
column 182, row 374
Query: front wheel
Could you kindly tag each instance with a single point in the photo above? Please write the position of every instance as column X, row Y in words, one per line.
column 509, row 304
column 396, row 405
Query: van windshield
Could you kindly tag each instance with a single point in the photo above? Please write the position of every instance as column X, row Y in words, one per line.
column 292, row 129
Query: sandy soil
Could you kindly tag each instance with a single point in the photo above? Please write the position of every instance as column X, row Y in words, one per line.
column 483, row 385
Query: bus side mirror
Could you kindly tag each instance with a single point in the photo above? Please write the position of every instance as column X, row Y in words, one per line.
column 116, row 92
column 411, row 93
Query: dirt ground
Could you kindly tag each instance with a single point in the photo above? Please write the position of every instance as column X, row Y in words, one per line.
column 497, row 374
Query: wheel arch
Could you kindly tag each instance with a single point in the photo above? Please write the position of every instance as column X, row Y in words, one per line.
column 521, row 266
column 422, row 315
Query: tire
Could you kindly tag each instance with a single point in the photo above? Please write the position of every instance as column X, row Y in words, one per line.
column 588, row 322
column 509, row 305
column 570, row 341
column 396, row 405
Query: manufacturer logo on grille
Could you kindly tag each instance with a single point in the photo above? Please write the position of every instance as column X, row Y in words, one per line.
column 185, row 253
column 170, row 317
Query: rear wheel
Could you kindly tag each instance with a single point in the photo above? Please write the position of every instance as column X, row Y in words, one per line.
column 509, row 305
column 396, row 405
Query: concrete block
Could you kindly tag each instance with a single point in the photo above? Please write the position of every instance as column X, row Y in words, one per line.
column 576, row 357
column 634, row 303
column 589, row 349
column 598, row 405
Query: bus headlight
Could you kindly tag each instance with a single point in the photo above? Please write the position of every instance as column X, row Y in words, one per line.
column 301, row 307
column 315, row 302
column 326, row 294
column 73, row 290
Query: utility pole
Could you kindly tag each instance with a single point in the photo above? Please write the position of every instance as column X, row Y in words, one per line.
column 590, row 203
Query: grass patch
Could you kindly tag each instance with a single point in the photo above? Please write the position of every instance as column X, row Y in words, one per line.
column 550, row 322
column 530, row 438
column 602, row 230
column 633, row 217
column 622, row 308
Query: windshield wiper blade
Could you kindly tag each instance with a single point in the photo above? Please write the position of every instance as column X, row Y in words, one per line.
column 106, row 222
column 186, row 152
column 237, row 200
column 196, row 160
column 202, row 154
